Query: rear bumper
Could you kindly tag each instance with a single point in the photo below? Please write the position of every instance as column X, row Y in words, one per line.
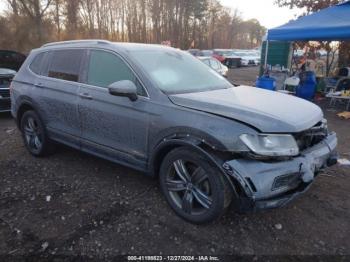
column 274, row 184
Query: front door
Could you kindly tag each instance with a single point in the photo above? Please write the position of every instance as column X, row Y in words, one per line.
column 113, row 126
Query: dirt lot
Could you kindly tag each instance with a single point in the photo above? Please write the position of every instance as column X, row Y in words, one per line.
column 75, row 204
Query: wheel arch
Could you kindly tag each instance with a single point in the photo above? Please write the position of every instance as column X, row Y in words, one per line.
column 195, row 144
column 24, row 106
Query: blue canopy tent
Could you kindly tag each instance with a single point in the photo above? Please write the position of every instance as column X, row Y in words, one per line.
column 330, row 24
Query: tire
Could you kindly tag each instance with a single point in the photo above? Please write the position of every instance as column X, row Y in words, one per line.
column 34, row 135
column 193, row 187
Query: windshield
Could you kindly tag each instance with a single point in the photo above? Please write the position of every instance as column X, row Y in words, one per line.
column 178, row 72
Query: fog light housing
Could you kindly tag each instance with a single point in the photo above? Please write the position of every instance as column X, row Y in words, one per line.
column 286, row 180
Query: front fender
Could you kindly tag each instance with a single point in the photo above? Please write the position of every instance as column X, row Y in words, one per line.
column 169, row 144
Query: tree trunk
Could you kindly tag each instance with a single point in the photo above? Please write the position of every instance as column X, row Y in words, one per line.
column 38, row 21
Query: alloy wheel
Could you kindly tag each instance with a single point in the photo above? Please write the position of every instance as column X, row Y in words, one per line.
column 33, row 134
column 189, row 187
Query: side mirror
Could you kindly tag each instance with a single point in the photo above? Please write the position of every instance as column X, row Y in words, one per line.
column 125, row 88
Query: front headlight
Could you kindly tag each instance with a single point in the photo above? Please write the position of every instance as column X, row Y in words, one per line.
column 271, row 145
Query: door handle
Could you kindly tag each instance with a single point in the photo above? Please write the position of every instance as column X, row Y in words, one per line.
column 85, row 96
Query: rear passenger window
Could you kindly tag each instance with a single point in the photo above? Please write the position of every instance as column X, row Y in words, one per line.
column 106, row 68
column 35, row 66
column 65, row 64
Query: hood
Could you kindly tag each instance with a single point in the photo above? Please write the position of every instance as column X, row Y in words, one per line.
column 7, row 72
column 268, row 111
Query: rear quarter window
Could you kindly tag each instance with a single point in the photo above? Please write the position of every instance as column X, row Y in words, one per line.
column 36, row 64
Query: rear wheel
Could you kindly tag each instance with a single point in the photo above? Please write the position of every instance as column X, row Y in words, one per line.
column 34, row 135
column 193, row 187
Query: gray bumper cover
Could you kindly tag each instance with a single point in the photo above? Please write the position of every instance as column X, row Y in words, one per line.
column 258, row 179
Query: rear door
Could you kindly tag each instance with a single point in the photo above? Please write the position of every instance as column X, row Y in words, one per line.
column 59, row 89
column 113, row 126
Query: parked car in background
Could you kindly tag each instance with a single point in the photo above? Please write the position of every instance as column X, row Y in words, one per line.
column 10, row 62
column 256, row 55
column 299, row 53
column 214, row 64
column 167, row 114
column 11, row 59
column 6, row 76
column 206, row 53
column 194, row 52
column 227, row 57
column 248, row 58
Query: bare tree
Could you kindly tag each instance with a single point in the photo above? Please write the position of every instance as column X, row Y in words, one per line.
column 36, row 9
column 197, row 23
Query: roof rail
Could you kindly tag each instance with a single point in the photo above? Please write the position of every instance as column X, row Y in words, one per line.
column 92, row 41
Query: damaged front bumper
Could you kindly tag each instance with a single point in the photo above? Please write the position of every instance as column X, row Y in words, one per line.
column 274, row 184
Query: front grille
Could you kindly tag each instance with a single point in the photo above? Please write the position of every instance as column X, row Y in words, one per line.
column 312, row 136
column 4, row 92
column 5, row 104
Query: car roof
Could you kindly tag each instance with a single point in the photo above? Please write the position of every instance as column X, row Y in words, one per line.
column 7, row 72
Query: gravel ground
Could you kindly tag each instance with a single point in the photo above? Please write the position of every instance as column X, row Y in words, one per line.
column 73, row 204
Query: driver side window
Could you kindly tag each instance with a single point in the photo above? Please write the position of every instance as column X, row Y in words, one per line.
column 106, row 68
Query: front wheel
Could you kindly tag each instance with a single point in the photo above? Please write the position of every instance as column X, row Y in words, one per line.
column 193, row 187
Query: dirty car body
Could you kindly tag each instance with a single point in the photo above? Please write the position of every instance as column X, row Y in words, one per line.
column 170, row 115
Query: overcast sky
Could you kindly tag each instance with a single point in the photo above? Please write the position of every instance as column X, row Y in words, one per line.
column 265, row 11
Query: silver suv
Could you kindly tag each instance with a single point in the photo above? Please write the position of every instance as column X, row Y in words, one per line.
column 163, row 112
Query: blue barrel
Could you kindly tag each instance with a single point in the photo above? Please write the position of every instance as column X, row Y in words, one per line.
column 266, row 82
column 307, row 87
